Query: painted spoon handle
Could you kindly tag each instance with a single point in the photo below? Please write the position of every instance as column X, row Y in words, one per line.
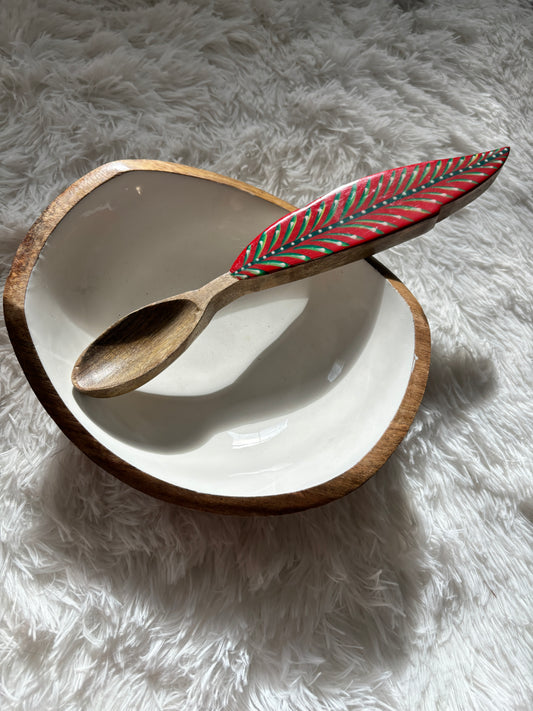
column 370, row 209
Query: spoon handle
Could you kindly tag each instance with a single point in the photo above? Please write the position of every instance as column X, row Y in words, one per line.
column 371, row 209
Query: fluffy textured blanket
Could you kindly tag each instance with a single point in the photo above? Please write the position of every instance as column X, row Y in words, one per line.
column 414, row 591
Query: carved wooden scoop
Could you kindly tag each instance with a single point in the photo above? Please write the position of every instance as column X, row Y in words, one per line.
column 350, row 223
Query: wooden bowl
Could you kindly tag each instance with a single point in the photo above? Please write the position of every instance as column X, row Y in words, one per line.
column 263, row 414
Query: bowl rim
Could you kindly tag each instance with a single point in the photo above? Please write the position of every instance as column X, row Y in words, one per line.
column 14, row 313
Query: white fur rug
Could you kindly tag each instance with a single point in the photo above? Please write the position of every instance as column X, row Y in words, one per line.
column 413, row 592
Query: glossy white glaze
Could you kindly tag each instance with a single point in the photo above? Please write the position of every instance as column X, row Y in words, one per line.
column 284, row 390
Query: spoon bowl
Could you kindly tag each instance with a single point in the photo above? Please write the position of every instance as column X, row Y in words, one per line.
column 147, row 335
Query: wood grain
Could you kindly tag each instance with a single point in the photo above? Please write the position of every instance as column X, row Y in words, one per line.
column 14, row 299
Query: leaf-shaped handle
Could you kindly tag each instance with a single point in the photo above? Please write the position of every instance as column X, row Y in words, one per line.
column 367, row 210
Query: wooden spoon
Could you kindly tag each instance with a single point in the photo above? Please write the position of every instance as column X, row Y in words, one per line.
column 350, row 223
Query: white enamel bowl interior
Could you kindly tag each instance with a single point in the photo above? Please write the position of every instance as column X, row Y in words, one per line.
column 284, row 390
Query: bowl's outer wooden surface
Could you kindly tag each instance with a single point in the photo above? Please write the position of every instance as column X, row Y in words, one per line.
column 14, row 301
